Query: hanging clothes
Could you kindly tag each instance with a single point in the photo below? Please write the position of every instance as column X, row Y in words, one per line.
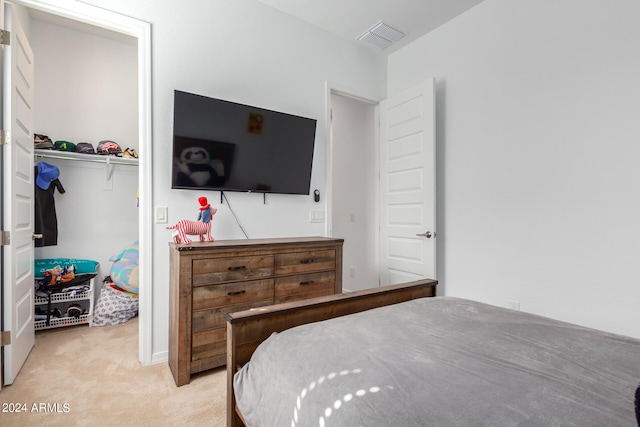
column 46, row 221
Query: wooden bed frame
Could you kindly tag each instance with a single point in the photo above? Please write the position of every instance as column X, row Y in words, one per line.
column 247, row 329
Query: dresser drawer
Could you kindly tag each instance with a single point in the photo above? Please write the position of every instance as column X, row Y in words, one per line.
column 208, row 271
column 301, row 262
column 208, row 343
column 203, row 320
column 304, row 286
column 228, row 294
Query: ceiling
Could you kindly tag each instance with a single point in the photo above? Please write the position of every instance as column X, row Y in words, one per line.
column 350, row 19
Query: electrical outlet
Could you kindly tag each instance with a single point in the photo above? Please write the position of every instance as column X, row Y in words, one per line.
column 513, row 305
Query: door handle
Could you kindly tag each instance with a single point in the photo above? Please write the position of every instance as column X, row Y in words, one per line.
column 35, row 236
column 427, row 234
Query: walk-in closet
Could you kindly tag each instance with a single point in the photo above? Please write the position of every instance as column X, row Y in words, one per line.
column 86, row 91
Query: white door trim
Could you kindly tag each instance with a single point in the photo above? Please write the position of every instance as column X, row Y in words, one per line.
column 96, row 16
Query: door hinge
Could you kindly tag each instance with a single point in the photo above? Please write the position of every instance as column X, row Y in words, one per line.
column 4, row 137
column 5, row 338
column 5, row 37
column 5, row 238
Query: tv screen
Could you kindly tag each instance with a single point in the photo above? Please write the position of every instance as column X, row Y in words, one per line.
column 226, row 146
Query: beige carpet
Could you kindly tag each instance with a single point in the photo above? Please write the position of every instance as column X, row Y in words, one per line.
column 92, row 377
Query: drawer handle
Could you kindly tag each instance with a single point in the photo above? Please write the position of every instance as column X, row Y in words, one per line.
column 236, row 293
column 306, row 261
column 239, row 267
column 308, row 282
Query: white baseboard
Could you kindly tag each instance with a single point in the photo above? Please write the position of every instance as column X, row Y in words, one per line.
column 161, row 357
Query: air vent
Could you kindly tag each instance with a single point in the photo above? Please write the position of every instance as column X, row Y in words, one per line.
column 381, row 35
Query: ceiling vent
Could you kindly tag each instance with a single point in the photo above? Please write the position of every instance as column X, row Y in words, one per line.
column 381, row 35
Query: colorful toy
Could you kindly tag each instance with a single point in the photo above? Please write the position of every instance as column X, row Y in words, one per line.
column 201, row 227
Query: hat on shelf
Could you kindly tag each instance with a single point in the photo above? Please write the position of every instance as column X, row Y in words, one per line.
column 85, row 147
column 130, row 152
column 46, row 173
column 109, row 147
column 64, row 146
column 42, row 142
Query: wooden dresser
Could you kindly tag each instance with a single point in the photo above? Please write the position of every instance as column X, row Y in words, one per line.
column 209, row 279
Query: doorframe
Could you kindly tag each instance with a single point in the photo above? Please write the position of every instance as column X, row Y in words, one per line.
column 332, row 88
column 141, row 30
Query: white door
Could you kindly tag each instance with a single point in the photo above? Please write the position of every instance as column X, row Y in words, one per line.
column 407, row 186
column 18, row 196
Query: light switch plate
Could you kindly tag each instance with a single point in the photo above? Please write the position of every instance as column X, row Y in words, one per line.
column 162, row 214
column 316, row 216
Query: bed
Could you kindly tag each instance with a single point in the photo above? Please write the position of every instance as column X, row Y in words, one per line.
column 391, row 356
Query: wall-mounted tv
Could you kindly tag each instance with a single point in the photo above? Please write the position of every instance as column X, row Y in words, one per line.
column 226, row 146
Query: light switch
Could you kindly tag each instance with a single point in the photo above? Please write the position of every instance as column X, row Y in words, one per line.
column 316, row 216
column 162, row 215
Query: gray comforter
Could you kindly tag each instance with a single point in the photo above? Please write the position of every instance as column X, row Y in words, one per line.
column 440, row 362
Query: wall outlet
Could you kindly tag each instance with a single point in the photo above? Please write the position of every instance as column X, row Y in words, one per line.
column 352, row 271
column 513, row 305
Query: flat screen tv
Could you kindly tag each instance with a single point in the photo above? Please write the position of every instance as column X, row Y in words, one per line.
column 226, row 146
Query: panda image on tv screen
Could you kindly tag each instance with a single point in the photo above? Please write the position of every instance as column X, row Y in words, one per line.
column 226, row 146
column 195, row 166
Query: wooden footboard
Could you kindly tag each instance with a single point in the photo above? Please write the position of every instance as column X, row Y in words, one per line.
column 247, row 329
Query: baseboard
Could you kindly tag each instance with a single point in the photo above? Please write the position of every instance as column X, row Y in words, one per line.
column 161, row 357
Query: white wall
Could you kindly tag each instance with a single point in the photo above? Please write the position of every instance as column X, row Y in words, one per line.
column 242, row 51
column 354, row 205
column 537, row 139
column 86, row 90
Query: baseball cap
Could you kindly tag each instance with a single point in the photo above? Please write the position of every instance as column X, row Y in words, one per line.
column 46, row 173
column 109, row 147
column 85, row 147
column 42, row 141
column 64, row 146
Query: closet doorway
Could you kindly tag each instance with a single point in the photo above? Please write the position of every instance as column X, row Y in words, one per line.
column 94, row 22
column 352, row 202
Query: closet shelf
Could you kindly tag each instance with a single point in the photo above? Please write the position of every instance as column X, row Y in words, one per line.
column 60, row 301
column 62, row 297
column 57, row 322
column 96, row 158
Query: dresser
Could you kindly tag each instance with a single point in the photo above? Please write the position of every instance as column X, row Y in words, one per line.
column 210, row 279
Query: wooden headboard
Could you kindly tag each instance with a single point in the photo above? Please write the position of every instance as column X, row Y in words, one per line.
column 247, row 329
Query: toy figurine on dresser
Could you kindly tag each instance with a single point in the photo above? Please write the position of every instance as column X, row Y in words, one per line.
column 201, row 227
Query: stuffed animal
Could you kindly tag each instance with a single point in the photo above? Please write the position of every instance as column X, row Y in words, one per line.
column 201, row 227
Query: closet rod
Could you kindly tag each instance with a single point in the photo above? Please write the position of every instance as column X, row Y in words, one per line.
column 96, row 158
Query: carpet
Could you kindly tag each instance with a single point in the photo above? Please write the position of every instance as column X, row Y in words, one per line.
column 89, row 376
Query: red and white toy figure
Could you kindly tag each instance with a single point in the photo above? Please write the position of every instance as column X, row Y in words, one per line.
column 201, row 227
